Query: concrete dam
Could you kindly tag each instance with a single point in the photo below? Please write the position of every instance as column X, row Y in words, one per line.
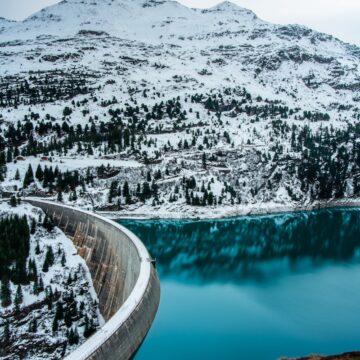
column 124, row 278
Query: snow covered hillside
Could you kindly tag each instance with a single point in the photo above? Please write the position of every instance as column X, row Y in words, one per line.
column 147, row 106
column 48, row 304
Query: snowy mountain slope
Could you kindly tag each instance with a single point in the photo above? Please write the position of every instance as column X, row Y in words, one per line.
column 162, row 86
column 226, row 39
column 55, row 300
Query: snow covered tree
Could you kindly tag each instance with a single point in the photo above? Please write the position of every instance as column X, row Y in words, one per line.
column 29, row 177
column 63, row 259
column 33, row 227
column 55, row 325
column 73, row 336
column 49, row 259
column 13, row 201
column 89, row 328
column 39, row 174
column 60, row 196
column 18, row 296
column 7, row 333
column 113, row 191
column 33, row 326
column 48, row 224
column 203, row 159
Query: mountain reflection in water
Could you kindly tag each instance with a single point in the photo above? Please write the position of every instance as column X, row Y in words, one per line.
column 257, row 248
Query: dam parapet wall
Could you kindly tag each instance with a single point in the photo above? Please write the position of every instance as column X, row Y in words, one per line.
column 124, row 278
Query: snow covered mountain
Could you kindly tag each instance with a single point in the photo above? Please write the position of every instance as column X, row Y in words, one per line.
column 142, row 20
column 241, row 105
column 228, row 41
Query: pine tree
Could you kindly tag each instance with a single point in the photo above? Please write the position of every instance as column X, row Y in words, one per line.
column 69, row 279
column 35, row 286
column 112, row 191
column 63, row 259
column 19, row 296
column 210, row 198
column 2, row 159
column 76, row 336
column 49, row 297
column 13, row 202
column 204, row 161
column 48, row 223
column 32, row 272
column 33, row 227
column 38, row 286
column 89, row 327
column 59, row 315
column 5, row 292
column 55, row 325
column 71, row 337
column 74, row 195
column 146, row 192
column 9, row 155
column 33, row 326
column 7, row 333
column 41, row 284
column 29, row 177
column 39, row 173
column 68, row 319
column 17, row 175
column 148, row 176
column 37, row 248
column 126, row 191
column 49, row 259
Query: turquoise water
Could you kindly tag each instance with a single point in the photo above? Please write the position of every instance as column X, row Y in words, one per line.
column 255, row 288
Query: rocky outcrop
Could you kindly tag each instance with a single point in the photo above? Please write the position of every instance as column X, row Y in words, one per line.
column 345, row 356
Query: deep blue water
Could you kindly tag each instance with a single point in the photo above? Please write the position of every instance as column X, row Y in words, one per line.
column 255, row 288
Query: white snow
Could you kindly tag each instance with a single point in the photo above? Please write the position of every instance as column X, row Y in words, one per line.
column 55, row 278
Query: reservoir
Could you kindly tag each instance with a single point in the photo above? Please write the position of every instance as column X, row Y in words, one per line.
column 255, row 288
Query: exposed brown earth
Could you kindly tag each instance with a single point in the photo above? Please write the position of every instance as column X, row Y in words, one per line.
column 346, row 356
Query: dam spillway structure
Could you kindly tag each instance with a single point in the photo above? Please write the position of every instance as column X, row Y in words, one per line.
column 124, row 278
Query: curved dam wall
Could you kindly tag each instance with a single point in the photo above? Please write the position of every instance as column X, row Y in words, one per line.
column 124, row 279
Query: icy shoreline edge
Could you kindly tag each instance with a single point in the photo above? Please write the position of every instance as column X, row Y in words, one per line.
column 230, row 212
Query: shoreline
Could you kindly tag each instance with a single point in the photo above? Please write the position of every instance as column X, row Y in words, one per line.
column 207, row 213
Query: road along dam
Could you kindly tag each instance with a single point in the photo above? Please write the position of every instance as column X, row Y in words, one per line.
column 124, row 278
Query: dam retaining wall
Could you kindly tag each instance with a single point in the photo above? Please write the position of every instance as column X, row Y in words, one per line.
column 124, row 279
